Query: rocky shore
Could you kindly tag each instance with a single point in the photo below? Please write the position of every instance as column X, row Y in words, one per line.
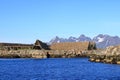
column 109, row 55
column 112, row 59
column 43, row 54
column 61, row 50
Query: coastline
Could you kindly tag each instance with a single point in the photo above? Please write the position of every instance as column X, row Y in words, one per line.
column 61, row 50
column 110, row 55
column 98, row 56
column 42, row 54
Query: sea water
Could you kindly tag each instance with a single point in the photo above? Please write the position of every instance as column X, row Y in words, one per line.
column 57, row 69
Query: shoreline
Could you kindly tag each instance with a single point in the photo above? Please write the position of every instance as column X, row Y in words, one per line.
column 41, row 50
column 110, row 55
column 110, row 59
column 92, row 55
column 43, row 54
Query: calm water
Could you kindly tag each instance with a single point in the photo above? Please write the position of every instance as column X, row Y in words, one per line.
column 57, row 69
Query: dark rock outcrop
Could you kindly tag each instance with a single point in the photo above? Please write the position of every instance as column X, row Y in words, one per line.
column 40, row 45
column 92, row 46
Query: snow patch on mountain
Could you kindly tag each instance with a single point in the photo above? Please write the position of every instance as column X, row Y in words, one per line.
column 58, row 41
column 76, row 40
column 100, row 39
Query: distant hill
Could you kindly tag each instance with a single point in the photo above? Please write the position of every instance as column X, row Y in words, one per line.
column 101, row 40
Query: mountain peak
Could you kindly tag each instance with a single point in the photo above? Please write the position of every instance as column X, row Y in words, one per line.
column 102, row 40
column 102, row 35
column 71, row 37
column 56, row 37
column 82, row 35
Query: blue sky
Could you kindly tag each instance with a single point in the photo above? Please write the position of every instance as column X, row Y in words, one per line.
column 24, row 21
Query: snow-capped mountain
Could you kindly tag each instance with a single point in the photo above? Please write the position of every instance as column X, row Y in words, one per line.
column 102, row 41
column 57, row 40
column 80, row 38
column 70, row 39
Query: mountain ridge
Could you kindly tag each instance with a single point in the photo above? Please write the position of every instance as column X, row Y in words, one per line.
column 101, row 40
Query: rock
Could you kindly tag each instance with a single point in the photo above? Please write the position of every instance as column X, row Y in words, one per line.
column 110, row 55
column 118, row 62
column 92, row 59
column 40, row 45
